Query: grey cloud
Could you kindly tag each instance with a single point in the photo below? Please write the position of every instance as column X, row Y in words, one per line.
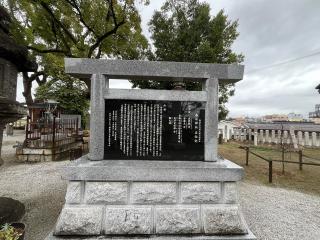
column 271, row 31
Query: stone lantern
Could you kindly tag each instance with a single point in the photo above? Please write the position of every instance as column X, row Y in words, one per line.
column 13, row 59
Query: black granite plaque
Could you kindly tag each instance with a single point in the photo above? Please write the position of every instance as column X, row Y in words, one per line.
column 154, row 130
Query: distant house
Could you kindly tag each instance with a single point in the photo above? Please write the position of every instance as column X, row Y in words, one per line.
column 274, row 118
column 315, row 116
column 294, row 117
column 226, row 128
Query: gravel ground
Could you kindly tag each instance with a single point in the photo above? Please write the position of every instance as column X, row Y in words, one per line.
column 39, row 186
column 271, row 213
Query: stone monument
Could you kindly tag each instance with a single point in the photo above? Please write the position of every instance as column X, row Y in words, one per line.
column 13, row 59
column 153, row 171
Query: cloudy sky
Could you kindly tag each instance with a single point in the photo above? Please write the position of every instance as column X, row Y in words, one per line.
column 281, row 44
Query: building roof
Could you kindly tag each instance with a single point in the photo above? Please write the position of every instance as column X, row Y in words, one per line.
column 302, row 126
column 43, row 105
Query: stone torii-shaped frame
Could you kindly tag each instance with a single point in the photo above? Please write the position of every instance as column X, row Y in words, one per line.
column 101, row 70
column 152, row 199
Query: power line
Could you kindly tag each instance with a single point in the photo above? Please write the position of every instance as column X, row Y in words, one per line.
column 284, row 62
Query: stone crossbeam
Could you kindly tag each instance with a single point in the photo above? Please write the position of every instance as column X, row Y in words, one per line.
column 153, row 70
column 158, row 95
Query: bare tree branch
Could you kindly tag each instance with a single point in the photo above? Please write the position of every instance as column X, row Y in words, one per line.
column 33, row 75
column 43, row 80
column 74, row 4
column 99, row 52
column 47, row 50
column 48, row 9
column 108, row 33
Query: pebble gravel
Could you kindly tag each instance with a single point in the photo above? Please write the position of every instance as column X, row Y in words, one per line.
column 271, row 213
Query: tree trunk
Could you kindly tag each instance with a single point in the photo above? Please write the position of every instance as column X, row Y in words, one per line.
column 27, row 86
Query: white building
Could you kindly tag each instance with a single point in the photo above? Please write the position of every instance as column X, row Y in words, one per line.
column 226, row 128
column 293, row 117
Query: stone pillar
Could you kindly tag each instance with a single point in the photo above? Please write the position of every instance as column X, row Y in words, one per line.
column 99, row 83
column 9, row 129
column 289, row 140
column 318, row 139
column 211, row 120
column 293, row 139
column 285, row 137
column 235, row 133
column 268, row 136
column 314, row 139
column 279, row 136
column 255, row 139
column 249, row 135
column 225, row 133
column 273, row 136
column 262, row 139
column 307, row 139
column 242, row 134
column 300, row 138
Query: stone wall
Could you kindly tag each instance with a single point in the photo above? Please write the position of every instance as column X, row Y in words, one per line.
column 134, row 208
column 43, row 155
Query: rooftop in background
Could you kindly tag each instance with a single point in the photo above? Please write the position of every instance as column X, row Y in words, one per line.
column 316, row 113
column 297, row 126
column 45, row 104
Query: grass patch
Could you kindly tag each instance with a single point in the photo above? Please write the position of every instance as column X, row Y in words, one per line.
column 307, row 180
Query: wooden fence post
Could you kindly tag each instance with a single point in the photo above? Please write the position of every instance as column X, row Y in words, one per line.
column 270, row 171
column 300, row 160
column 247, row 156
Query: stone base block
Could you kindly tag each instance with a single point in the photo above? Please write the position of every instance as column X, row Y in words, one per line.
column 126, row 204
column 45, row 155
column 248, row 236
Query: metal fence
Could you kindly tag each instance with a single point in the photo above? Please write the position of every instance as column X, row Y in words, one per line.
column 51, row 133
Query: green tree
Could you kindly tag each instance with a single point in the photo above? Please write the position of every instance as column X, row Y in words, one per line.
column 184, row 31
column 54, row 29
column 71, row 93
